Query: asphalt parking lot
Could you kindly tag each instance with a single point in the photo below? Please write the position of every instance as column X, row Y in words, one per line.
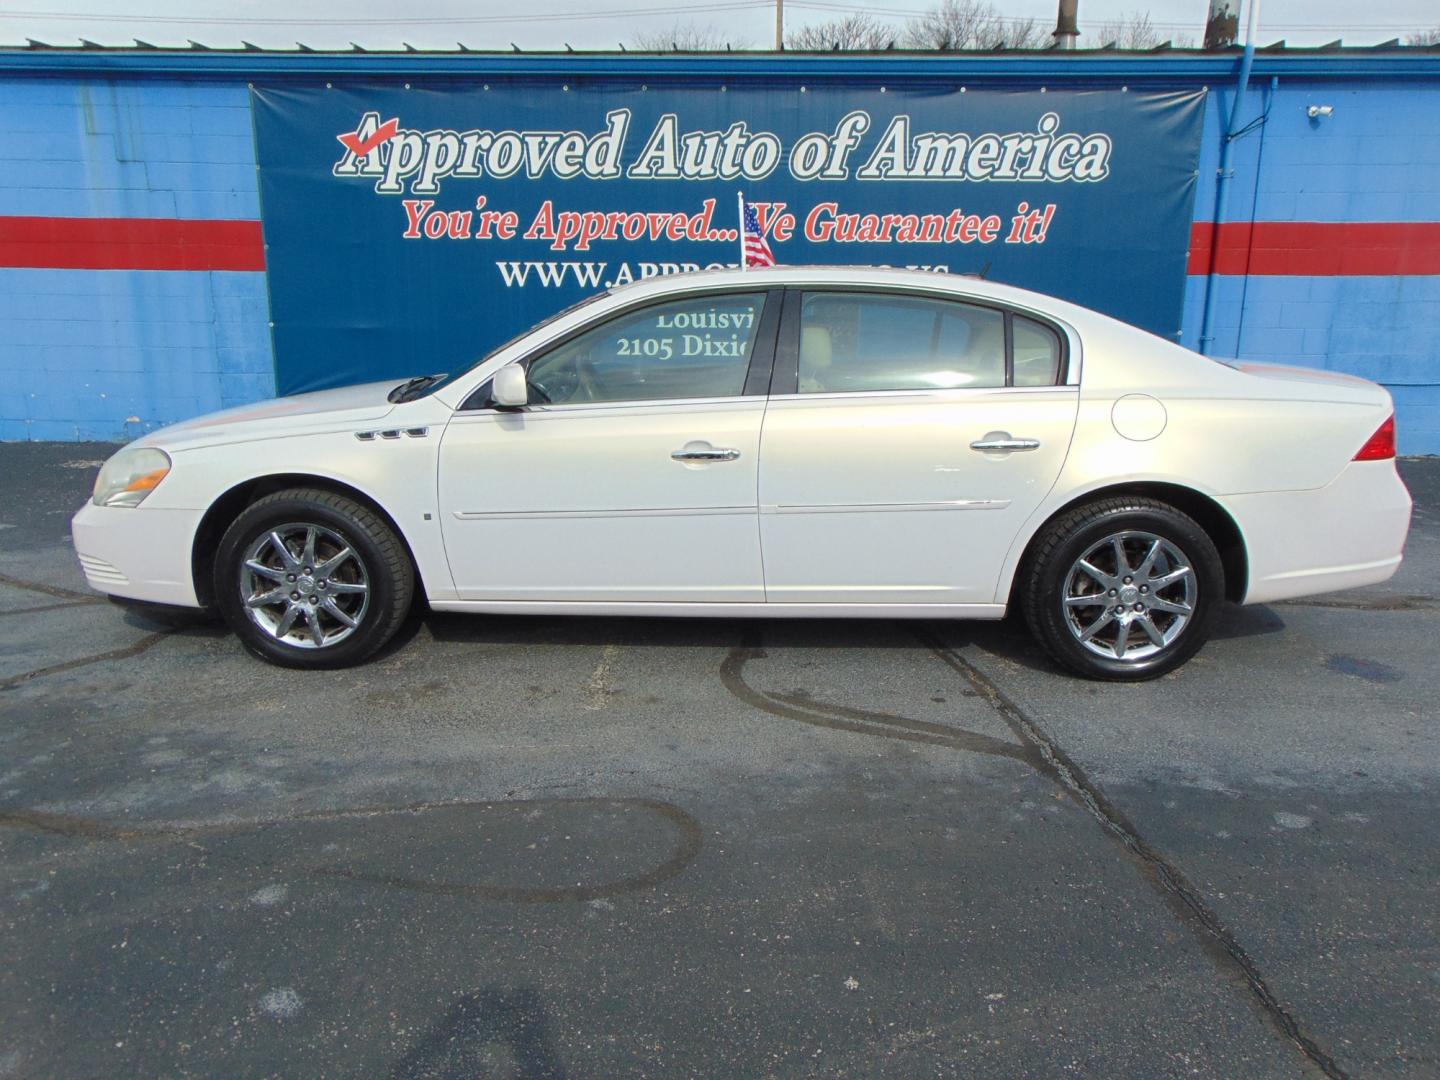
column 546, row 847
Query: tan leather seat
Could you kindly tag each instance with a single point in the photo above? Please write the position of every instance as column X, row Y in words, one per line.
column 984, row 360
column 815, row 357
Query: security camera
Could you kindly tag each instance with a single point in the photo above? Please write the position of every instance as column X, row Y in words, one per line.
column 1317, row 111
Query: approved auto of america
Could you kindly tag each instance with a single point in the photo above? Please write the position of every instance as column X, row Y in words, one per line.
column 850, row 443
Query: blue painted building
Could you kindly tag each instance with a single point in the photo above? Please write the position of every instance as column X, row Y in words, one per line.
column 132, row 283
column 111, row 353
column 1375, row 160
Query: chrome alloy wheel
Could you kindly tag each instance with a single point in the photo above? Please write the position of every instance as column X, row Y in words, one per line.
column 1129, row 596
column 304, row 585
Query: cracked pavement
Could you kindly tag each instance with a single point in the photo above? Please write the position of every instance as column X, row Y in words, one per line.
column 547, row 846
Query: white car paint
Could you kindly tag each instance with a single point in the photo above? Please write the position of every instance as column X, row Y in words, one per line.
column 529, row 499
column 850, row 504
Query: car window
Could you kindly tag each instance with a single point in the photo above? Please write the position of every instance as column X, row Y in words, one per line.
column 1037, row 353
column 859, row 342
column 693, row 348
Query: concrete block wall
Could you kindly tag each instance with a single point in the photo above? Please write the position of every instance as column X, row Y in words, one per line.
column 109, row 353
column 1375, row 160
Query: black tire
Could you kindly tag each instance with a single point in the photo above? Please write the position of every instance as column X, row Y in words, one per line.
column 379, row 562
column 1046, row 581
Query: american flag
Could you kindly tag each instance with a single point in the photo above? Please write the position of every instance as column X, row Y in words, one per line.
column 755, row 247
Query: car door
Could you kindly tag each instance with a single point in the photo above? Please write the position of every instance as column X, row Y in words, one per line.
column 908, row 439
column 631, row 476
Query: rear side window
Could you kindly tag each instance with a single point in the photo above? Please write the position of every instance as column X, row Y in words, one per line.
column 859, row 342
column 1037, row 353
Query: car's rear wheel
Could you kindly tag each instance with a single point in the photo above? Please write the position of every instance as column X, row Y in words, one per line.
column 1123, row 588
column 311, row 579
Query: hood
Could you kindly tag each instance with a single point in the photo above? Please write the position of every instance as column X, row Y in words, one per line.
column 300, row 414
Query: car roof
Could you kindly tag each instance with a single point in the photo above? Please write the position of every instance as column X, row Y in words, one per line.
column 781, row 275
column 967, row 285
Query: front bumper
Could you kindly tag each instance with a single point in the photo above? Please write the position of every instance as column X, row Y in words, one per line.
column 139, row 552
column 1345, row 535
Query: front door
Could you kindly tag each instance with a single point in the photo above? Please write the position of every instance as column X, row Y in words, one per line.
column 909, row 440
column 632, row 474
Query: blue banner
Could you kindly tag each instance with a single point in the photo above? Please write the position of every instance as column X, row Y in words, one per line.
column 411, row 230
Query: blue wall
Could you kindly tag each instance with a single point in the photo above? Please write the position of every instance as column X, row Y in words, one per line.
column 109, row 354
column 1377, row 158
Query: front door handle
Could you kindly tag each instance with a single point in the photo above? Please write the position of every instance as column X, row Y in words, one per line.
column 707, row 454
column 1004, row 442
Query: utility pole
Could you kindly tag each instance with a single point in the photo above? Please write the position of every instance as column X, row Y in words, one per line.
column 779, row 25
column 1222, row 25
column 1066, row 30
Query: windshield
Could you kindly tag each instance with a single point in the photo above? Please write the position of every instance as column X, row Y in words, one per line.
column 426, row 385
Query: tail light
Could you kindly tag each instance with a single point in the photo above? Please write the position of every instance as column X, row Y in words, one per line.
column 1381, row 445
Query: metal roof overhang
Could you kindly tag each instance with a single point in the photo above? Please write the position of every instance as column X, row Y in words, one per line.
column 1105, row 66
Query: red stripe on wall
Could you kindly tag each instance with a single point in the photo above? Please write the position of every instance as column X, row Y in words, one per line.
column 1318, row 248
column 130, row 244
column 1305, row 248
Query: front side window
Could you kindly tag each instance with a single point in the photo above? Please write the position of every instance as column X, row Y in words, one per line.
column 863, row 342
column 692, row 348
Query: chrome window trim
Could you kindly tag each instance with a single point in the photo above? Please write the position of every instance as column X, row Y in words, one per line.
column 580, row 408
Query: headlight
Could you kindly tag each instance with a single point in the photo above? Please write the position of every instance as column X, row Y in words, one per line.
column 129, row 476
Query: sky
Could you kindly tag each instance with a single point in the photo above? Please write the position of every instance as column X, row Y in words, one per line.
column 604, row 24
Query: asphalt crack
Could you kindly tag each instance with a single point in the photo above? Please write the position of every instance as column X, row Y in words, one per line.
column 687, row 844
column 1182, row 895
column 43, row 607
column 1383, row 603
column 147, row 642
column 601, row 687
column 1039, row 750
column 808, row 710
column 50, row 590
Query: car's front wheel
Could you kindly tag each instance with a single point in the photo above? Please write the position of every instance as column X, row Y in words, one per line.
column 311, row 579
column 1123, row 588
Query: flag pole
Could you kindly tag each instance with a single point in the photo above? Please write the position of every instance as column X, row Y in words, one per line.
column 740, row 198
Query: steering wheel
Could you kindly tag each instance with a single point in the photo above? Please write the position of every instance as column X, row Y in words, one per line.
column 560, row 385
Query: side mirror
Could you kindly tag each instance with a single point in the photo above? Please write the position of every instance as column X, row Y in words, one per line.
column 508, row 387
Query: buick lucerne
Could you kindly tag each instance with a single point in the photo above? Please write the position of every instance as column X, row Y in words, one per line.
column 788, row 442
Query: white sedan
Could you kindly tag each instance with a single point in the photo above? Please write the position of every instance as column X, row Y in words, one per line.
column 791, row 442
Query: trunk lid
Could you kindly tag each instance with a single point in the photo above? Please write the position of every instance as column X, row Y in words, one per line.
column 1314, row 384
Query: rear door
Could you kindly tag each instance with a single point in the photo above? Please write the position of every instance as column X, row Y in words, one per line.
column 908, row 438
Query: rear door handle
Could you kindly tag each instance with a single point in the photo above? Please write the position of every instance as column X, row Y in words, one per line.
column 1002, row 441
column 711, row 454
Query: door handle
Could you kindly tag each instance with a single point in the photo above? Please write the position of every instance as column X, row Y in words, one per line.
column 712, row 454
column 1002, row 441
